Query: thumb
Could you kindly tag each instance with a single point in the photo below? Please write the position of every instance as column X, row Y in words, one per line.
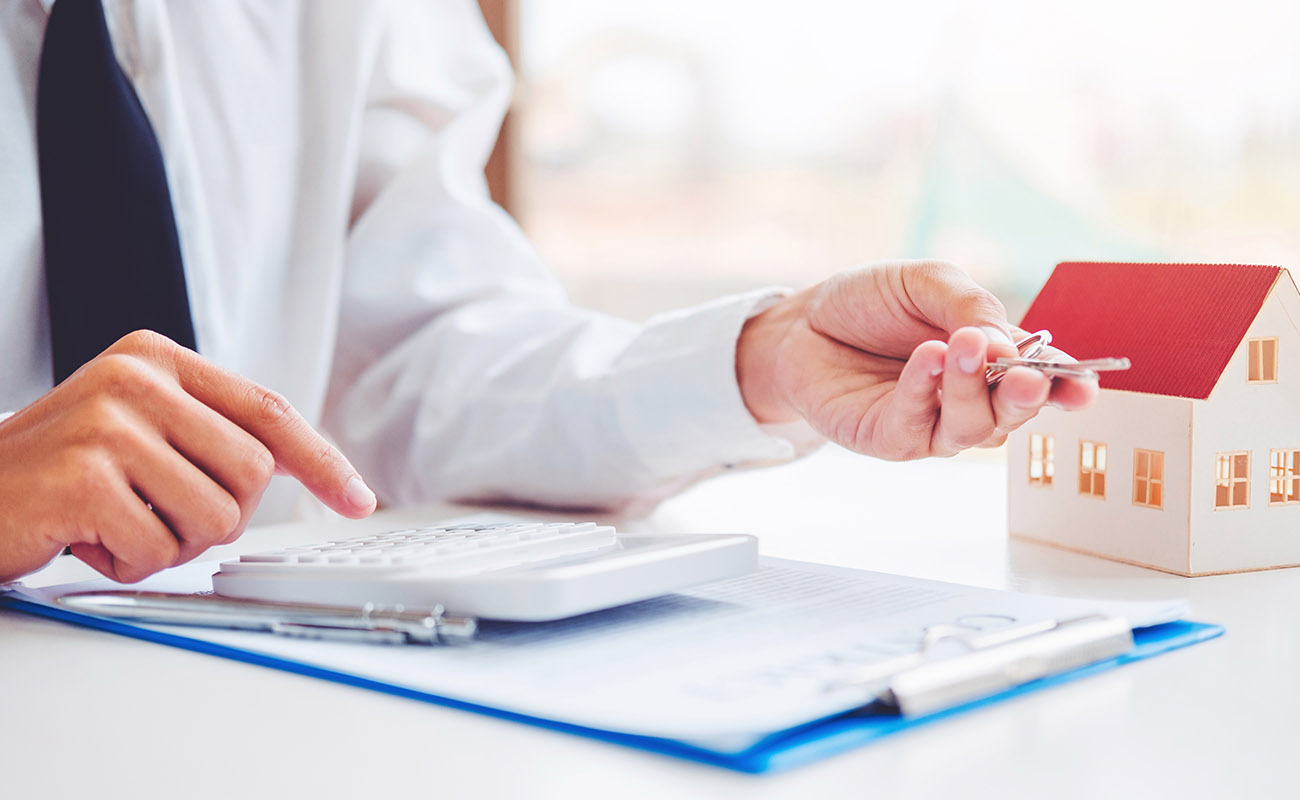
column 951, row 298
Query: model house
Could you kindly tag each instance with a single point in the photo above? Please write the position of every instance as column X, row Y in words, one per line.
column 1190, row 460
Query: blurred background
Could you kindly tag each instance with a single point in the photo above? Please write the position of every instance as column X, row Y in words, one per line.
column 662, row 153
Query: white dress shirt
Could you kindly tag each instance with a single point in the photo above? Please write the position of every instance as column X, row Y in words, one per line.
column 325, row 162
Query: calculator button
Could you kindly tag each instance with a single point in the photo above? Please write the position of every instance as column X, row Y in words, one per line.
column 443, row 550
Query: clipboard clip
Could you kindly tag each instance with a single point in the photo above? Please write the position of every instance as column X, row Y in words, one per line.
column 921, row 682
column 366, row 623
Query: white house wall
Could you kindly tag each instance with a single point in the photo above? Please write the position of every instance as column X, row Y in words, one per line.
column 1111, row 526
column 1256, row 418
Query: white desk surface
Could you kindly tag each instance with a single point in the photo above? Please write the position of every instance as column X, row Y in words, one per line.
column 86, row 713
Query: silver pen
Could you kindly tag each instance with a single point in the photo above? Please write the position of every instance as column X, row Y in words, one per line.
column 993, row 662
column 368, row 623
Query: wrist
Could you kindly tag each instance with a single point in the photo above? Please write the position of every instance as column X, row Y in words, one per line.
column 759, row 352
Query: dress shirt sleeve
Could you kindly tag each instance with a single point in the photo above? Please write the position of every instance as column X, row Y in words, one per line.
column 461, row 369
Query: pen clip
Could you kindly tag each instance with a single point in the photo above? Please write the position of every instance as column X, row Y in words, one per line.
column 432, row 627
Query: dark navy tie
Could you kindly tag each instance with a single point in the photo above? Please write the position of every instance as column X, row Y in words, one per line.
column 112, row 256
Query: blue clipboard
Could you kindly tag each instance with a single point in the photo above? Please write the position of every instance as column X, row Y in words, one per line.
column 779, row 751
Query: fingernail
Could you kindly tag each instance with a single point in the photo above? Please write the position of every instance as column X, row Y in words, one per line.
column 358, row 493
column 997, row 335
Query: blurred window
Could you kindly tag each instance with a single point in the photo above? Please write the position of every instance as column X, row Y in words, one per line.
column 669, row 151
column 1092, row 469
column 1042, row 459
column 1232, row 480
column 1148, row 478
column 1262, row 366
column 1284, row 477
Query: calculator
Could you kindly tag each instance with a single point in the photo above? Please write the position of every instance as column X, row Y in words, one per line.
column 506, row 571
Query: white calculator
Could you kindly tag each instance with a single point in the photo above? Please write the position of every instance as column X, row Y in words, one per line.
column 525, row 572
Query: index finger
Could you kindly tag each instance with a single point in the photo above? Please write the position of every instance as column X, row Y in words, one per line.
column 298, row 449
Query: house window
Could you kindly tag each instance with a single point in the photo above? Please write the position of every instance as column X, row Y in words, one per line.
column 1283, row 477
column 1042, row 459
column 1263, row 360
column 1092, row 469
column 1232, row 480
column 1149, row 478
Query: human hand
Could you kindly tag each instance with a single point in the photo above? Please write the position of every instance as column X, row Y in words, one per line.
column 890, row 361
column 147, row 456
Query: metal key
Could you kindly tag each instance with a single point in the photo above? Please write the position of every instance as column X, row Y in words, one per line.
column 1033, row 345
column 1064, row 369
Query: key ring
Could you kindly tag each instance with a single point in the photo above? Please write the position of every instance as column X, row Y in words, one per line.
column 1031, row 346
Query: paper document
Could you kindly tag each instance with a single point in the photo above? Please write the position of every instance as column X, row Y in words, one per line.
column 723, row 664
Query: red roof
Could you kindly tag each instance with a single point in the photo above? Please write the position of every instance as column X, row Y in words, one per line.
column 1178, row 323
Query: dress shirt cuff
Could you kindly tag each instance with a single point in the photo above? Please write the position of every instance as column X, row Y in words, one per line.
column 682, row 409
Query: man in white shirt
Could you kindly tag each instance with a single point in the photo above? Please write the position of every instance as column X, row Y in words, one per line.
column 325, row 167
